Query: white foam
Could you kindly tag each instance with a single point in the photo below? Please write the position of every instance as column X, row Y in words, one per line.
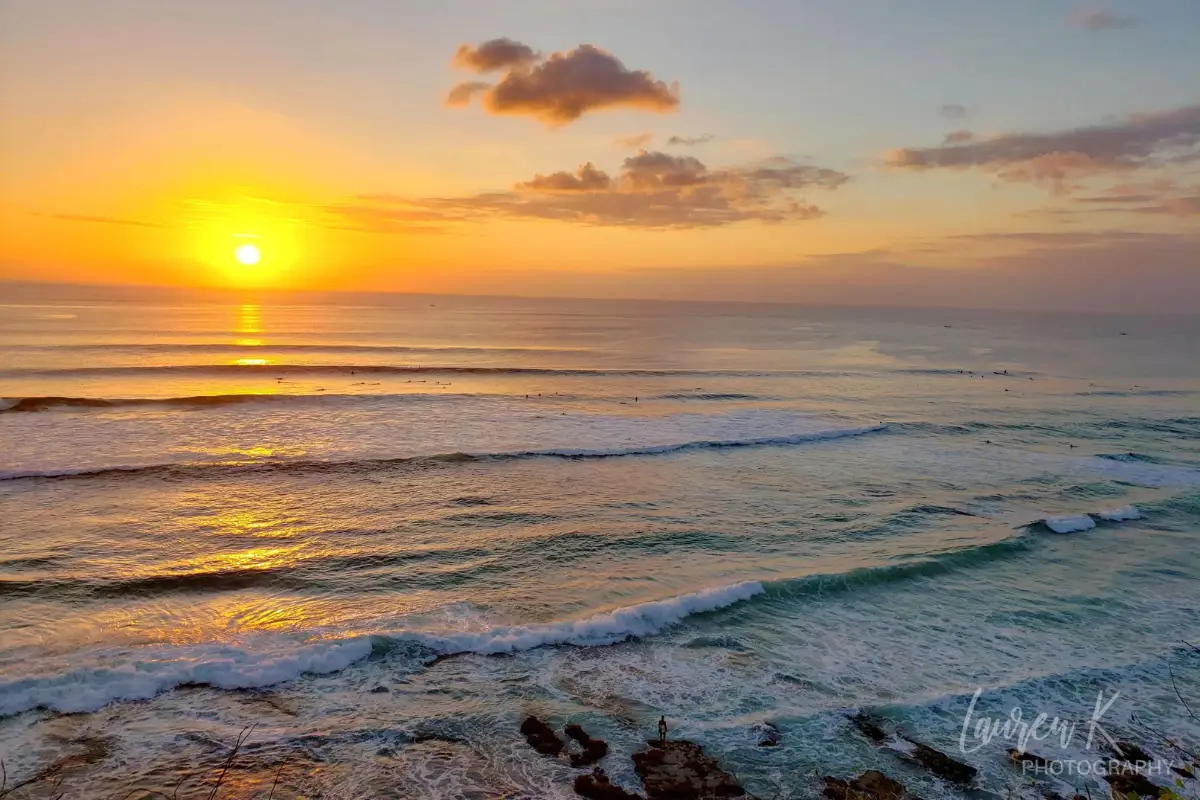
column 608, row 628
column 1074, row 524
column 1121, row 514
column 142, row 674
column 155, row 670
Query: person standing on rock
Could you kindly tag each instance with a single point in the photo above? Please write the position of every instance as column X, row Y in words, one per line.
column 662, row 730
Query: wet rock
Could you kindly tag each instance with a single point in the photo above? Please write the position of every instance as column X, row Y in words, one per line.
column 1184, row 772
column 941, row 764
column 679, row 770
column 380, row 690
column 769, row 736
column 596, row 786
column 1125, row 781
column 1026, row 760
column 870, row 727
column 1130, row 752
column 872, row 784
column 593, row 749
column 541, row 737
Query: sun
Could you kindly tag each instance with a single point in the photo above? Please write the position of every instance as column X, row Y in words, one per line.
column 247, row 254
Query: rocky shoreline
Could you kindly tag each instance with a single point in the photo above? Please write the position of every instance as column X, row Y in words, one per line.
column 677, row 769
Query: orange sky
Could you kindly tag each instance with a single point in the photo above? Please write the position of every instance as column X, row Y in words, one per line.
column 144, row 144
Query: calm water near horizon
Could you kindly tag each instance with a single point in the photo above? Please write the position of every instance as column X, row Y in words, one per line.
column 279, row 511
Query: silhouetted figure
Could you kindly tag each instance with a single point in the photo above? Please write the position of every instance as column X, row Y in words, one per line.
column 662, row 730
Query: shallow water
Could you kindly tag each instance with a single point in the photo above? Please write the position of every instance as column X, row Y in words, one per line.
column 270, row 511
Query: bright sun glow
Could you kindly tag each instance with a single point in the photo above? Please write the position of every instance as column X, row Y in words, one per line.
column 247, row 254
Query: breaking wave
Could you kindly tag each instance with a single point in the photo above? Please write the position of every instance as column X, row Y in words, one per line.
column 139, row 674
column 148, row 672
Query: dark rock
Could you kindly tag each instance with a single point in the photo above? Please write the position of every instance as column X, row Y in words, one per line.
column 1126, row 781
column 869, row 726
column 593, row 749
column 1130, row 752
column 770, row 735
column 679, row 770
column 1184, row 772
column 380, row 690
column 596, row 786
column 872, row 784
column 941, row 764
column 541, row 737
column 1026, row 760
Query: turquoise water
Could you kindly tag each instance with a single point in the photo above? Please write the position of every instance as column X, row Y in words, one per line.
column 225, row 511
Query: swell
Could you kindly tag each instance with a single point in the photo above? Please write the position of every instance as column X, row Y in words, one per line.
column 222, row 348
column 303, row 465
column 373, row 369
column 882, row 574
column 19, row 405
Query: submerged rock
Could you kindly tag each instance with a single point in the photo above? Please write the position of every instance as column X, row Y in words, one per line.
column 593, row 749
column 941, row 764
column 869, row 726
column 872, row 784
column 769, row 736
column 1123, row 782
column 541, row 737
column 679, row 770
column 596, row 786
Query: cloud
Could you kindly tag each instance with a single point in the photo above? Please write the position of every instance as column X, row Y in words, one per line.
column 561, row 87
column 1139, row 141
column 958, row 137
column 953, row 111
column 586, row 179
column 652, row 190
column 635, row 142
column 493, row 55
column 690, row 141
column 1095, row 18
column 462, row 93
column 98, row 220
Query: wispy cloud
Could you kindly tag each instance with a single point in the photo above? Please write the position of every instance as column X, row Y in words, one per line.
column 97, row 220
column 652, row 190
column 952, row 111
column 559, row 88
column 1055, row 159
column 1096, row 18
column 635, row 142
column 690, row 141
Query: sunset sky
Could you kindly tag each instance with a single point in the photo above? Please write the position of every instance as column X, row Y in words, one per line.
column 933, row 152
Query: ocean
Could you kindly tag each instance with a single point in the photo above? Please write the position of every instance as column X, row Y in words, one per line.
column 283, row 514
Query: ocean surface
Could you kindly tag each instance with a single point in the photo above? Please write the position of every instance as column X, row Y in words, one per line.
column 229, row 511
